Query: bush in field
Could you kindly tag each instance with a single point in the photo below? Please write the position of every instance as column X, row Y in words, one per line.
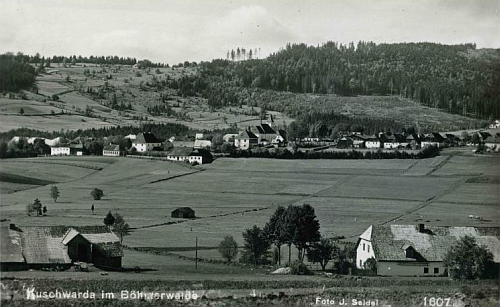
column 36, row 206
column 109, row 220
column 228, row 248
column 54, row 193
column 370, row 265
column 299, row 268
column 97, row 193
column 468, row 260
column 256, row 246
column 321, row 252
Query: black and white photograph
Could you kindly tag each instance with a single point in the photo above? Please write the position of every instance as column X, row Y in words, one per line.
column 250, row 153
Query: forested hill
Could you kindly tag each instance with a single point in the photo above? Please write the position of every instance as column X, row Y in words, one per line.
column 459, row 79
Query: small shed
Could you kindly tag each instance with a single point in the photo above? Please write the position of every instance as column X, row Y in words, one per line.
column 183, row 213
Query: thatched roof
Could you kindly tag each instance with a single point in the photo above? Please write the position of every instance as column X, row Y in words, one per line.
column 389, row 241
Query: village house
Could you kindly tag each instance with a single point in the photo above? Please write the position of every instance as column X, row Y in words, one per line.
column 146, row 142
column 68, row 149
column 246, row 140
column 372, row 142
column 432, row 139
column 183, row 213
column 412, row 141
column 200, row 156
column 37, row 247
column 390, row 142
column 205, row 144
column 111, row 150
column 266, row 134
column 495, row 124
column 180, row 154
column 417, row 250
column 493, row 142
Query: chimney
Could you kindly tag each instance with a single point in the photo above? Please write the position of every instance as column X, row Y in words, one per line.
column 12, row 226
column 421, row 228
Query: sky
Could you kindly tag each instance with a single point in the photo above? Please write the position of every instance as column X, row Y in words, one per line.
column 173, row 31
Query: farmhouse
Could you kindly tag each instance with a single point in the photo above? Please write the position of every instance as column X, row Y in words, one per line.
column 391, row 142
column 265, row 133
column 246, row 140
column 36, row 247
column 111, row 150
column 200, row 156
column 180, row 154
column 493, row 142
column 68, row 149
column 417, row 250
column 198, row 143
column 183, row 213
column 432, row 139
column 372, row 142
column 146, row 142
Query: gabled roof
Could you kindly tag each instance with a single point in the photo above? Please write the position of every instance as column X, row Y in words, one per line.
column 47, row 244
column 493, row 139
column 267, row 129
column 372, row 138
column 180, row 151
column 202, row 143
column 145, row 138
column 246, row 135
column 10, row 246
column 389, row 240
column 200, row 152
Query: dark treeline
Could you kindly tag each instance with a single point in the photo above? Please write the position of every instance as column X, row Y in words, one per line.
column 458, row 79
column 283, row 153
column 73, row 59
column 161, row 131
column 15, row 74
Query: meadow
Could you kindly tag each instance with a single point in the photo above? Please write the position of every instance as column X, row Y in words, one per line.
column 231, row 195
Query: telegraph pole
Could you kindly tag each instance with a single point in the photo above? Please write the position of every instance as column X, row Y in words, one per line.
column 196, row 254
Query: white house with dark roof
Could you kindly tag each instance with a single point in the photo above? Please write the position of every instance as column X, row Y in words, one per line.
column 246, row 140
column 372, row 142
column 265, row 133
column 417, row 250
column 111, row 150
column 145, row 142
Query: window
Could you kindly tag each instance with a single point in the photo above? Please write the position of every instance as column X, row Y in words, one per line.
column 363, row 246
column 361, row 263
column 368, row 248
column 426, row 270
column 436, row 270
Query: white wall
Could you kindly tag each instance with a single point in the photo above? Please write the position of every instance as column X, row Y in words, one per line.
column 56, row 151
column 363, row 253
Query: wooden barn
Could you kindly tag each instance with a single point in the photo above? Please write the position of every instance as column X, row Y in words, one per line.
column 183, row 213
column 37, row 247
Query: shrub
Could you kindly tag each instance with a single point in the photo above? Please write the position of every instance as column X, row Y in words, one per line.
column 299, row 268
column 468, row 260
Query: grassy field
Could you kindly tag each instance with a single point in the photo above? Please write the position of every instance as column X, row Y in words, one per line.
column 231, row 195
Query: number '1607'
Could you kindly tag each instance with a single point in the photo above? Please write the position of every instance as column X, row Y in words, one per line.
column 437, row 301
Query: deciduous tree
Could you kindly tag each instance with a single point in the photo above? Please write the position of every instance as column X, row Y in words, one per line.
column 228, row 248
